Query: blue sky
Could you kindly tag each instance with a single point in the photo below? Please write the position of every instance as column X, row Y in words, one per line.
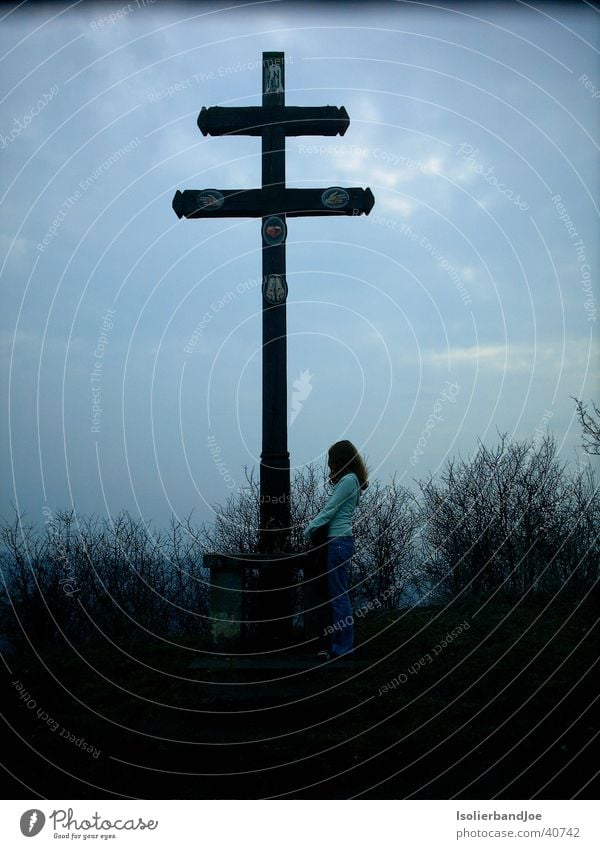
column 464, row 305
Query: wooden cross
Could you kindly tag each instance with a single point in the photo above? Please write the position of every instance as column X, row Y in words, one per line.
column 274, row 203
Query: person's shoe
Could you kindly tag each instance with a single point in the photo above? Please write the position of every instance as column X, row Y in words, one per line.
column 345, row 657
column 323, row 656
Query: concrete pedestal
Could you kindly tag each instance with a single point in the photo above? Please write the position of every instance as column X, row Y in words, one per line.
column 256, row 600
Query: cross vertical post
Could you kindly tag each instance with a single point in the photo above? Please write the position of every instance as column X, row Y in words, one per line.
column 275, row 458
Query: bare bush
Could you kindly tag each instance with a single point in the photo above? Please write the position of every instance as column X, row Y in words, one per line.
column 234, row 528
column 82, row 578
column 590, row 426
column 509, row 520
column 385, row 568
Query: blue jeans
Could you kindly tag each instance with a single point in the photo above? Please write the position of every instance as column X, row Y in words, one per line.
column 339, row 554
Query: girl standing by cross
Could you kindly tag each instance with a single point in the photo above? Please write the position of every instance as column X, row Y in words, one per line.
column 348, row 474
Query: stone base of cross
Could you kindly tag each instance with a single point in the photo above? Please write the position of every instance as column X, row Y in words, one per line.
column 274, row 204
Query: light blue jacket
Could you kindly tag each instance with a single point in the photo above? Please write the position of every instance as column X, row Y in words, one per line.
column 339, row 509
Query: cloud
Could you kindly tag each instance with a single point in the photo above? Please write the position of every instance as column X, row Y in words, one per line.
column 395, row 203
column 15, row 250
column 578, row 356
column 365, row 111
column 490, row 355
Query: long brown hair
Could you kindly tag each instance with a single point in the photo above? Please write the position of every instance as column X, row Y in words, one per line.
column 343, row 458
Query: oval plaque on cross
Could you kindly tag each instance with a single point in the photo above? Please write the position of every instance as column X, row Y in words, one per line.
column 209, row 200
column 275, row 288
column 274, row 230
column 335, row 198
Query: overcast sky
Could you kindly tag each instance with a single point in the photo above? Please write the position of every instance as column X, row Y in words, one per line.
column 465, row 304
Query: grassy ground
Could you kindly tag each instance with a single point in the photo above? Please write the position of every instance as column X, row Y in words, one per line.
column 507, row 709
